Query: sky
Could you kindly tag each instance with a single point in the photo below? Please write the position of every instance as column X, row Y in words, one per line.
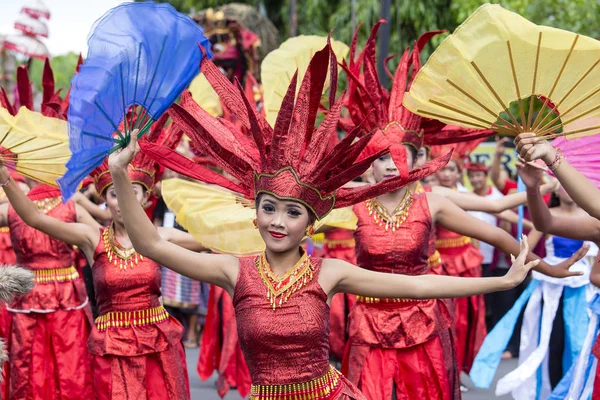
column 69, row 24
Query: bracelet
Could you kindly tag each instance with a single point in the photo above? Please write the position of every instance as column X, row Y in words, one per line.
column 558, row 159
column 5, row 183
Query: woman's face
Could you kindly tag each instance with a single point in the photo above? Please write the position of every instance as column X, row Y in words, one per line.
column 110, row 196
column 422, row 157
column 282, row 224
column 449, row 175
column 384, row 167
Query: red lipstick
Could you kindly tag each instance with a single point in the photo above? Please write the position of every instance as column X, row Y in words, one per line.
column 277, row 235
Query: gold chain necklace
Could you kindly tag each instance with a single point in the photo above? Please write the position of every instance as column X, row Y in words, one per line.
column 46, row 205
column 390, row 221
column 117, row 254
column 279, row 289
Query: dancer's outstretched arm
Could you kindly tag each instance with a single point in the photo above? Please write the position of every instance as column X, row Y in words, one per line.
column 340, row 276
column 581, row 228
column 453, row 218
column 218, row 269
column 581, row 190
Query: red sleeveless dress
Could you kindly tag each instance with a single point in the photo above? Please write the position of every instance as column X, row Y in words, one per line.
column 135, row 344
column 339, row 243
column 287, row 348
column 48, row 355
column 399, row 343
column 460, row 258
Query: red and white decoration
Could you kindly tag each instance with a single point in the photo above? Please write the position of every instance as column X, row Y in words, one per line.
column 31, row 27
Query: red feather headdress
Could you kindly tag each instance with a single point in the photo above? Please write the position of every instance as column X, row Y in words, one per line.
column 460, row 151
column 372, row 106
column 142, row 169
column 291, row 160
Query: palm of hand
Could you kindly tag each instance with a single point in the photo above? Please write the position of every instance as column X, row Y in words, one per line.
column 531, row 176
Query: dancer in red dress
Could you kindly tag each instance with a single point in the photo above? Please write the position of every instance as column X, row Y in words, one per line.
column 135, row 345
column 281, row 296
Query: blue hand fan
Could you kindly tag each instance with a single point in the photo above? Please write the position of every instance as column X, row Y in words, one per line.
column 140, row 58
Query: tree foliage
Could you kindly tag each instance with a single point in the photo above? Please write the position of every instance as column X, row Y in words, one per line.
column 63, row 67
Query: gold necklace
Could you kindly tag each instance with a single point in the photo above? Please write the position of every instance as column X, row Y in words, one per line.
column 279, row 289
column 46, row 205
column 117, row 254
column 390, row 221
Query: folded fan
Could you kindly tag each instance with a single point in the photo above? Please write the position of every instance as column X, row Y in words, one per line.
column 34, row 145
column 499, row 71
column 133, row 73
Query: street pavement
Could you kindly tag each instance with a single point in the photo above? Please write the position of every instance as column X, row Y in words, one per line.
column 206, row 390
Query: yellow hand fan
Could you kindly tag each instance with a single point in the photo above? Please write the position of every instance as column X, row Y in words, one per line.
column 34, row 145
column 203, row 93
column 499, row 71
column 279, row 66
column 222, row 221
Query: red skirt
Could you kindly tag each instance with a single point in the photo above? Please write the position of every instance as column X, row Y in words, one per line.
column 340, row 307
column 220, row 348
column 48, row 356
column 425, row 371
column 153, row 376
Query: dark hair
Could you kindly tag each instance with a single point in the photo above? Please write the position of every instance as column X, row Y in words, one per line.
column 312, row 218
column 413, row 151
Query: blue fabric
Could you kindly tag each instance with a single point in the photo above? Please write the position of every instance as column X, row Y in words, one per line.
column 489, row 356
column 562, row 389
column 576, row 321
column 521, row 209
column 565, row 247
column 139, row 53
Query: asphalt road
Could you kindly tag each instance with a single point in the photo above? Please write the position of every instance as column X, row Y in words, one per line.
column 206, row 390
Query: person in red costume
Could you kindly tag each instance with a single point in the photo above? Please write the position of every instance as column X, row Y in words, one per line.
column 135, row 345
column 280, row 296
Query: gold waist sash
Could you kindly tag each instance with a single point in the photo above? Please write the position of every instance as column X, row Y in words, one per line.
column 44, row 276
column 317, row 389
column 125, row 319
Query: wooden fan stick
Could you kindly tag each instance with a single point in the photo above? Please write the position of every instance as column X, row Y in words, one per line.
column 480, row 104
column 586, row 98
column 105, row 114
column 14, row 146
column 535, row 72
column 459, row 111
column 514, row 74
column 562, row 69
column 5, row 135
column 569, row 133
column 40, row 148
column 97, row 136
column 499, row 128
column 516, row 125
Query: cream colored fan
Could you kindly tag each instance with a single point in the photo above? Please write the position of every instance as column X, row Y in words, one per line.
column 499, row 71
column 34, row 145
column 279, row 66
column 205, row 96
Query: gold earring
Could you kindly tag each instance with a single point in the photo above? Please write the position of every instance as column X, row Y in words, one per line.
column 310, row 231
column 255, row 223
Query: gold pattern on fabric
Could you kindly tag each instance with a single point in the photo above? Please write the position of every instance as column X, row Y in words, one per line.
column 47, row 205
column 279, row 289
column 364, row 299
column 316, row 389
column 451, row 243
column 43, row 276
column 118, row 255
column 125, row 319
column 390, row 221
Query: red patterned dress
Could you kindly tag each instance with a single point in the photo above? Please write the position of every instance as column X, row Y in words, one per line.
column 339, row 243
column 399, row 343
column 286, row 343
column 135, row 345
column 460, row 258
column 48, row 353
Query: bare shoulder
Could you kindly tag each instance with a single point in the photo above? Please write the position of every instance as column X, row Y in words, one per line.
column 333, row 271
column 435, row 201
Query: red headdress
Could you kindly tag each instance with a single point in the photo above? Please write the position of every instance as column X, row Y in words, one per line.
column 460, row 151
column 142, row 169
column 372, row 106
column 53, row 105
column 290, row 161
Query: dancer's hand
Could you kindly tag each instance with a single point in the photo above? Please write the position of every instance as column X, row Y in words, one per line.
column 121, row 158
column 531, row 176
column 501, row 145
column 562, row 270
column 519, row 269
column 531, row 148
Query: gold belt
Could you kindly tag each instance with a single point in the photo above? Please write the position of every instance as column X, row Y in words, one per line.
column 435, row 260
column 317, row 389
column 4, row 229
column 364, row 299
column 452, row 242
column 343, row 243
column 43, row 276
column 125, row 319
